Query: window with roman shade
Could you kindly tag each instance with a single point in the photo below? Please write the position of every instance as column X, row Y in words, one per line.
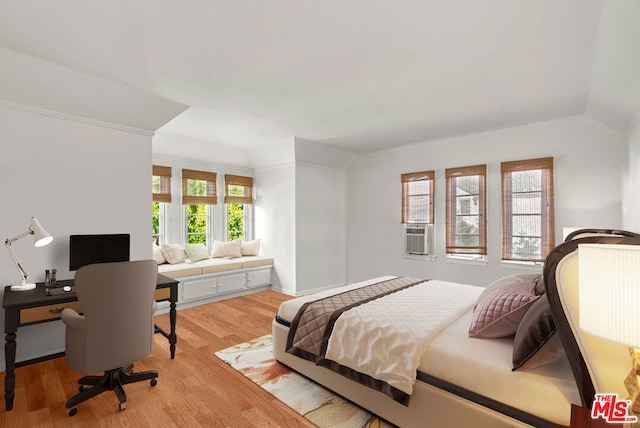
column 238, row 199
column 527, row 209
column 161, row 196
column 417, row 197
column 238, row 189
column 466, row 228
column 198, row 187
column 198, row 196
column 161, row 177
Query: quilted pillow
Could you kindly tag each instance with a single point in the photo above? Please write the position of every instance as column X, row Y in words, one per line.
column 196, row 252
column 250, row 248
column 536, row 342
column 504, row 282
column 226, row 249
column 157, row 255
column 174, row 253
column 500, row 312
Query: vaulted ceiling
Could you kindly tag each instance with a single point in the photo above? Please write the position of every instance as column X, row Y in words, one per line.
column 359, row 75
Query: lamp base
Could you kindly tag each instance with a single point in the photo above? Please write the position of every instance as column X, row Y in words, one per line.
column 23, row 287
column 632, row 383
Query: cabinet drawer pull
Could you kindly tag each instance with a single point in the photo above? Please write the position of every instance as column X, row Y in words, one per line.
column 56, row 310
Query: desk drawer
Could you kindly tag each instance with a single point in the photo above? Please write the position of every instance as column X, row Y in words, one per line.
column 162, row 294
column 46, row 313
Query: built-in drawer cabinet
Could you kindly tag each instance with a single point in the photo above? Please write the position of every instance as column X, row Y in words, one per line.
column 197, row 289
column 229, row 283
column 194, row 288
column 258, row 278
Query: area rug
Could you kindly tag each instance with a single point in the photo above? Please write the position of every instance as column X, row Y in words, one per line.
column 315, row 403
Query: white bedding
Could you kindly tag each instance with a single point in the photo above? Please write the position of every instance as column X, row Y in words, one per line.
column 412, row 317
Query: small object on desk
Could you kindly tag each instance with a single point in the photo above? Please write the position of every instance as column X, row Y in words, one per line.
column 55, row 291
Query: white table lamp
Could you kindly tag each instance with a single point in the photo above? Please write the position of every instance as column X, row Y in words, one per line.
column 609, row 292
column 40, row 239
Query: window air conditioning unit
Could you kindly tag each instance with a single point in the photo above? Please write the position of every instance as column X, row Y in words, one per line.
column 418, row 238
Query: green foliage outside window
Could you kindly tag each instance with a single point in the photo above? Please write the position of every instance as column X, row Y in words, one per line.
column 235, row 221
column 197, row 224
column 155, row 222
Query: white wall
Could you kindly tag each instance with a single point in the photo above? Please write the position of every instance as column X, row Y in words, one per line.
column 631, row 178
column 275, row 221
column 77, row 178
column 320, row 227
column 587, row 161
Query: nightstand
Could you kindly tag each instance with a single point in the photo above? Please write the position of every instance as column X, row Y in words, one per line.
column 581, row 418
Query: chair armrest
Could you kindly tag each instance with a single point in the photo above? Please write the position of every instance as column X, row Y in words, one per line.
column 73, row 320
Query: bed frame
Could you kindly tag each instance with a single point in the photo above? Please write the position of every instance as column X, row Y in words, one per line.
column 559, row 276
column 437, row 403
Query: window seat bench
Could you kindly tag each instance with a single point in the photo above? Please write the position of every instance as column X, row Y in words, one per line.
column 214, row 279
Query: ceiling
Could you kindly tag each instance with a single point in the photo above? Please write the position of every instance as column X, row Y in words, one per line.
column 359, row 75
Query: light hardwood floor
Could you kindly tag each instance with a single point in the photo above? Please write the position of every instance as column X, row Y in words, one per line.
column 194, row 389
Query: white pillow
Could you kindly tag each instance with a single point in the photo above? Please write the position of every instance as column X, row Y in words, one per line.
column 226, row 249
column 174, row 253
column 196, row 252
column 157, row 254
column 250, row 248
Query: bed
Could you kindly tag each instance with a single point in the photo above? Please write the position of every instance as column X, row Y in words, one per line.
column 438, row 375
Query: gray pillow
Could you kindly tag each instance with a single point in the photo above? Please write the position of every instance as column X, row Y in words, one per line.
column 536, row 342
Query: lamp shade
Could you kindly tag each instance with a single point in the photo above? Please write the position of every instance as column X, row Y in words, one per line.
column 40, row 236
column 609, row 292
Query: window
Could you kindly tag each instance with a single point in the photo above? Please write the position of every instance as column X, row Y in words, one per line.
column 198, row 194
column 158, row 222
column 417, row 197
column 161, row 191
column 238, row 197
column 466, row 210
column 527, row 210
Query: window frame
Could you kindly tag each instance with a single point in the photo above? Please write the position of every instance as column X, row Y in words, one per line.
column 162, row 198
column 407, row 215
column 162, row 223
column 209, row 223
column 209, row 199
column 452, row 248
column 231, row 183
column 547, row 216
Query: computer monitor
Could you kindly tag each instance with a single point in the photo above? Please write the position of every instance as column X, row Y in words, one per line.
column 105, row 248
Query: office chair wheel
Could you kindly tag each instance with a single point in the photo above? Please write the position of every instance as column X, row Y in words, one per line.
column 72, row 411
column 154, row 382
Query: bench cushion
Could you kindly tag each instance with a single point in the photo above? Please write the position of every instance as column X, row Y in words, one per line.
column 255, row 261
column 219, row 265
column 179, row 270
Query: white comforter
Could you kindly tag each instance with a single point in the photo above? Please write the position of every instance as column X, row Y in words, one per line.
column 386, row 338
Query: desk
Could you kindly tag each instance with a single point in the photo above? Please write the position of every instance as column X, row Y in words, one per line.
column 35, row 306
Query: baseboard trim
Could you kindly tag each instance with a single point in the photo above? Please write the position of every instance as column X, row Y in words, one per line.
column 311, row 291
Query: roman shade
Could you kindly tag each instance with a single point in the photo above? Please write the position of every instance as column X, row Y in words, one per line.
column 528, row 223
column 238, row 189
column 199, row 187
column 417, row 197
column 161, row 183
